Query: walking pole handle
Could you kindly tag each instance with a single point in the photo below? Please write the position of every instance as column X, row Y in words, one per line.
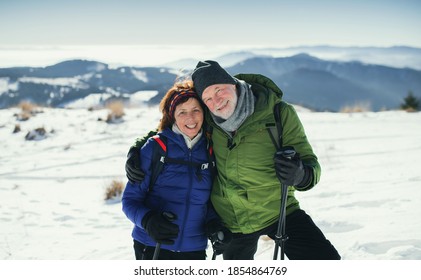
column 287, row 152
column 170, row 217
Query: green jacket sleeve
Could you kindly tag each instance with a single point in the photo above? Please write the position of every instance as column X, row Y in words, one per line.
column 294, row 135
column 140, row 141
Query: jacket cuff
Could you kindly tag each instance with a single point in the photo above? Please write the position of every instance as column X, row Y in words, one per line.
column 307, row 179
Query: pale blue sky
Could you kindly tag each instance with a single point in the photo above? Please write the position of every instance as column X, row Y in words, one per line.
column 277, row 23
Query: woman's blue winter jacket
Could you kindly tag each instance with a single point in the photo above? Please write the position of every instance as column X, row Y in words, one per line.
column 180, row 188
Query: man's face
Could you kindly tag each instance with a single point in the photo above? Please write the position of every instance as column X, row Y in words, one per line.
column 221, row 99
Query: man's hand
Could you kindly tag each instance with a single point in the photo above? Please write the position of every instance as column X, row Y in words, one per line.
column 290, row 169
column 133, row 171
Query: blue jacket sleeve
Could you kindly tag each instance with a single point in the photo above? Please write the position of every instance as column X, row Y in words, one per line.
column 133, row 200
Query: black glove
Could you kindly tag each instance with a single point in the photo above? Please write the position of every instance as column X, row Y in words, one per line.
column 290, row 169
column 219, row 236
column 160, row 228
column 133, row 171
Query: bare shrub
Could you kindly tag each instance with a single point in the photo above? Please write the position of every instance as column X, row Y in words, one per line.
column 27, row 106
column 116, row 113
column 28, row 110
column 114, row 190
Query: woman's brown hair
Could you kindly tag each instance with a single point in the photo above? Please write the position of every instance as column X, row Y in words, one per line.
column 167, row 119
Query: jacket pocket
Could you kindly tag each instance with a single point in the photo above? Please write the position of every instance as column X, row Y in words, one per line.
column 263, row 194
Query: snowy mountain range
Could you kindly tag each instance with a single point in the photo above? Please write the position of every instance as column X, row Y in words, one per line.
column 320, row 84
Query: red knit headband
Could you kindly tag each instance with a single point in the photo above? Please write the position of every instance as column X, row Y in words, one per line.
column 178, row 96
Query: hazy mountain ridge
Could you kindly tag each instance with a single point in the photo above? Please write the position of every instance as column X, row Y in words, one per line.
column 396, row 56
column 307, row 80
column 348, row 83
column 47, row 86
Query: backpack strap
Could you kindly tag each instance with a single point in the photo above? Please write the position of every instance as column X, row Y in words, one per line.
column 276, row 137
column 160, row 142
column 159, row 158
column 211, row 156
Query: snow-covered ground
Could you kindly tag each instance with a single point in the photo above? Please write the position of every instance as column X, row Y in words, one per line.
column 52, row 191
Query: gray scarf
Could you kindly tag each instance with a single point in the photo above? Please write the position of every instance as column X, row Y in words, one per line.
column 244, row 108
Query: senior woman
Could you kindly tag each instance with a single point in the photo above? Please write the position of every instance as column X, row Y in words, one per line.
column 175, row 211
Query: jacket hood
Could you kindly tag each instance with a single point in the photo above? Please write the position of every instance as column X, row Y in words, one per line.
column 262, row 81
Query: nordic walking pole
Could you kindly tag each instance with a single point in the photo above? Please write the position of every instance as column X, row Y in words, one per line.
column 214, row 256
column 170, row 217
column 280, row 236
column 157, row 250
column 219, row 237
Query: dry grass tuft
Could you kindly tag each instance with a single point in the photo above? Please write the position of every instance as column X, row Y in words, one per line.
column 27, row 106
column 410, row 110
column 114, row 190
column 357, row 108
column 116, row 113
column 28, row 110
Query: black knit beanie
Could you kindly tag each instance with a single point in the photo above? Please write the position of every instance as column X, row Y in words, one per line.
column 209, row 73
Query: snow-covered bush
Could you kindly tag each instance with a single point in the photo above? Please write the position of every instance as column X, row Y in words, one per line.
column 36, row 134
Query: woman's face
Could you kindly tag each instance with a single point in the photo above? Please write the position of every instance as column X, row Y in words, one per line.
column 189, row 117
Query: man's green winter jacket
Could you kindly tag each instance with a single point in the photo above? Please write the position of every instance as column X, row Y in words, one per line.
column 246, row 192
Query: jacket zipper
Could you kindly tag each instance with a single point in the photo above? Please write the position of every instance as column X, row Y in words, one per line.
column 191, row 174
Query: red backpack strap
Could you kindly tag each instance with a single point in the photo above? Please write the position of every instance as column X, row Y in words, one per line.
column 160, row 142
column 158, row 159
